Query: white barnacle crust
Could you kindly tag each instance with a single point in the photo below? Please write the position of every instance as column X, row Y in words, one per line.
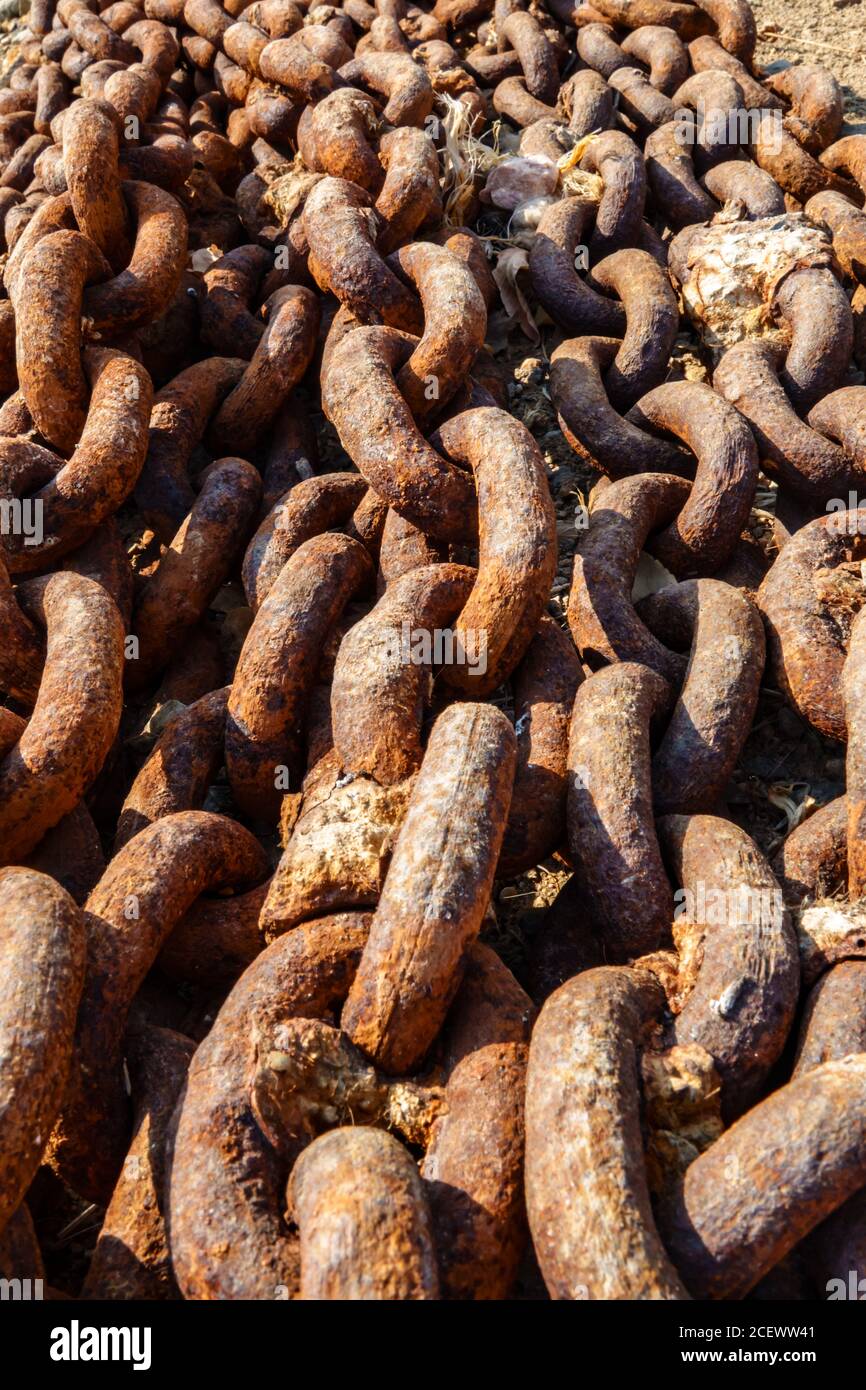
column 733, row 268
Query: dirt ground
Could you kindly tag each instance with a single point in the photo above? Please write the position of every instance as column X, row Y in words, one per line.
column 830, row 32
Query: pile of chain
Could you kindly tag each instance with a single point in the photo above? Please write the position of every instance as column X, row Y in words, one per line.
column 286, row 700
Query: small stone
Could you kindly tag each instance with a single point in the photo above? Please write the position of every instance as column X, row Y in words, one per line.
column 530, row 371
